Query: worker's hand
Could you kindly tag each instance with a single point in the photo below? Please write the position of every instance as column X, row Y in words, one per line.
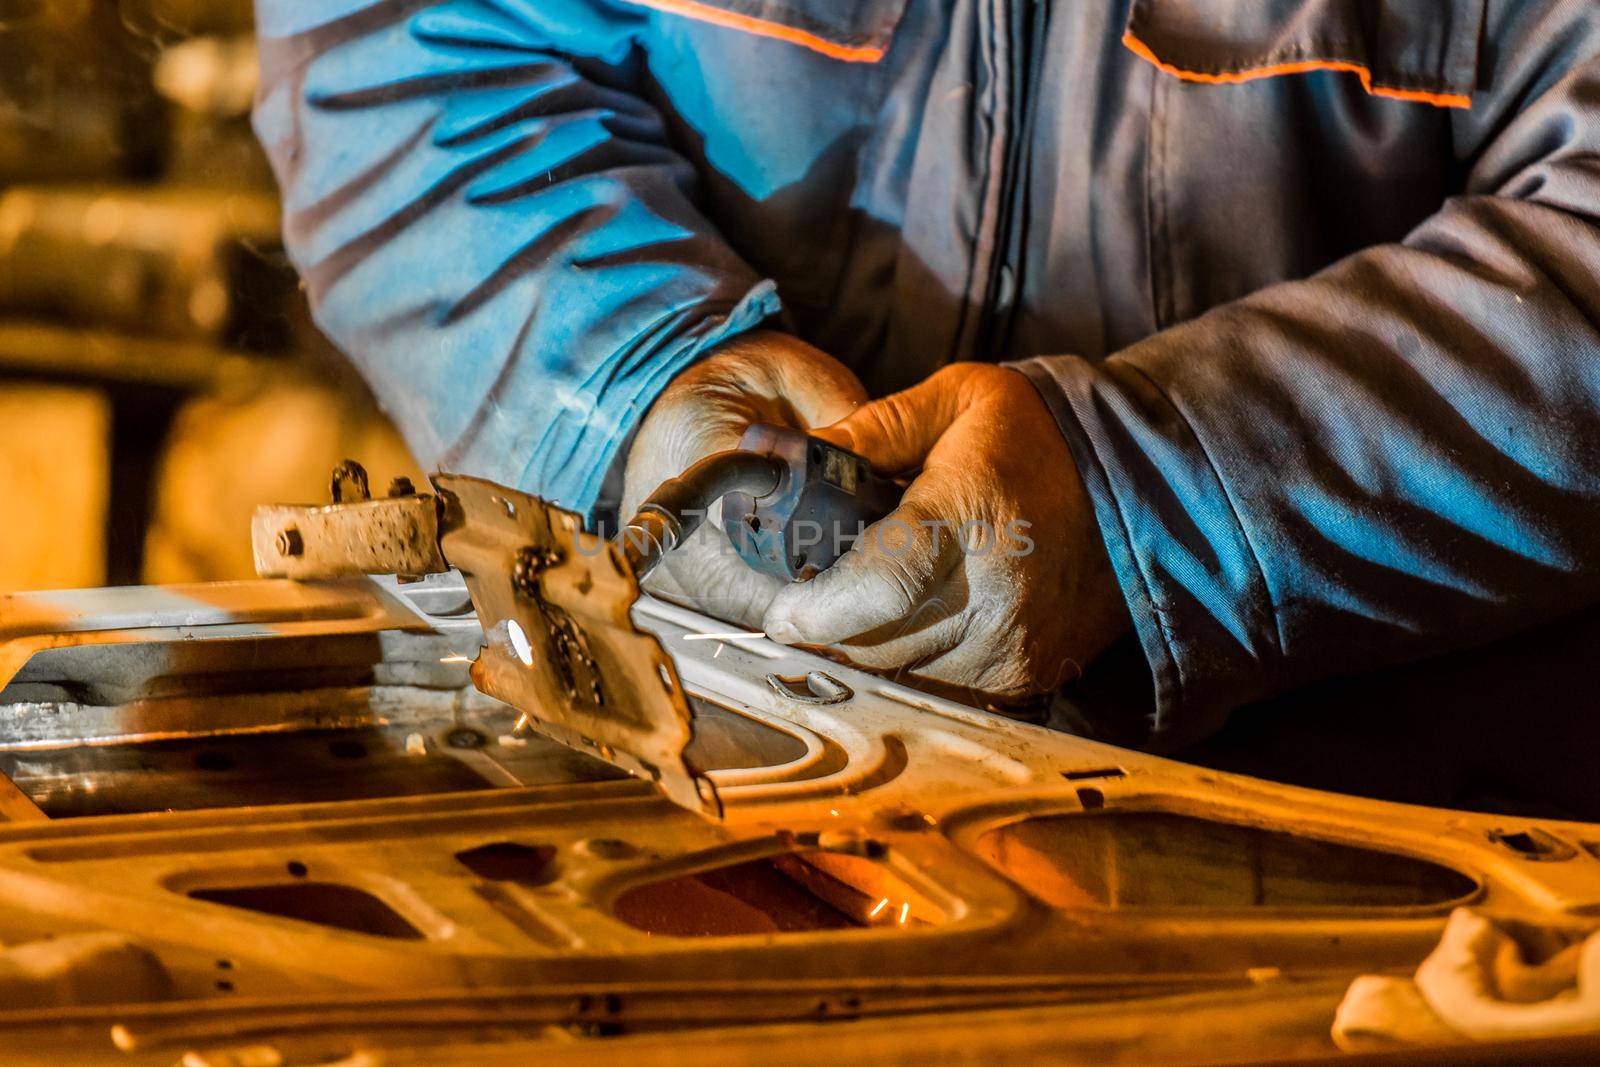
column 991, row 576
column 758, row 377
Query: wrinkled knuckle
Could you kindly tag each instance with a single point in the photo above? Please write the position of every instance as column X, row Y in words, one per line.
column 900, row 587
column 893, row 417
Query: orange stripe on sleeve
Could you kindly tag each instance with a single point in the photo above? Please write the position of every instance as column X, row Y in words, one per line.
column 1142, row 50
column 762, row 28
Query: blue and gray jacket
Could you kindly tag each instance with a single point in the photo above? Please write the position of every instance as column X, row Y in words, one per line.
column 1311, row 286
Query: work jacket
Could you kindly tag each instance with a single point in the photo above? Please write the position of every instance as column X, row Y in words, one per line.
column 1312, row 287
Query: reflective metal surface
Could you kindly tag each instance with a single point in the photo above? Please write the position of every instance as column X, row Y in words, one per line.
column 365, row 857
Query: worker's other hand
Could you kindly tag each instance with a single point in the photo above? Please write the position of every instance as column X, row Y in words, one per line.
column 990, row 577
column 758, row 377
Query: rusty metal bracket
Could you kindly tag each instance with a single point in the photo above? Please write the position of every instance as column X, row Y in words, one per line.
column 559, row 643
column 398, row 534
column 554, row 602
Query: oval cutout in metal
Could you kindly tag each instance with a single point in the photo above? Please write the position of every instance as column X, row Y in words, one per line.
column 519, row 642
column 815, row 687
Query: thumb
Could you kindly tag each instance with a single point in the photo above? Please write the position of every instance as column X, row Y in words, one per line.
column 896, row 433
column 893, row 567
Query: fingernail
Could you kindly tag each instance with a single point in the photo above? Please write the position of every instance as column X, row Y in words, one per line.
column 784, row 633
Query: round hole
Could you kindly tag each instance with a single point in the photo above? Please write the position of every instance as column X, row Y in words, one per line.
column 465, row 737
column 519, row 642
column 224, row 985
column 297, row 869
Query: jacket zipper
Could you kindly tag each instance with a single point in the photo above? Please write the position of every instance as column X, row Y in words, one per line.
column 1029, row 22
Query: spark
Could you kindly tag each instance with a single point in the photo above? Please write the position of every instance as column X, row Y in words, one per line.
column 884, row 903
column 457, row 658
column 905, row 912
column 725, row 637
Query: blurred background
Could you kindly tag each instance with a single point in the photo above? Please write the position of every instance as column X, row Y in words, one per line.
column 159, row 373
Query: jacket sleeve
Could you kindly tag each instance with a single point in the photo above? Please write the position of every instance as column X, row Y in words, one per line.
column 490, row 222
column 1396, row 457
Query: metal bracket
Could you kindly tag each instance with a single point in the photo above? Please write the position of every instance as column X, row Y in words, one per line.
column 398, row 534
column 559, row 643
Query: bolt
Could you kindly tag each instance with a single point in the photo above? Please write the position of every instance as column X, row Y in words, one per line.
column 290, row 543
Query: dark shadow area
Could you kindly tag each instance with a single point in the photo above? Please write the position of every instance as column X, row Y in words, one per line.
column 1510, row 728
column 323, row 903
column 507, row 861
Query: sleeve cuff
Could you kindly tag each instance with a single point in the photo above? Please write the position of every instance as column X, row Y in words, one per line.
column 583, row 452
column 1193, row 587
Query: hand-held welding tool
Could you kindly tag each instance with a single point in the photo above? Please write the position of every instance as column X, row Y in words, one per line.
column 792, row 504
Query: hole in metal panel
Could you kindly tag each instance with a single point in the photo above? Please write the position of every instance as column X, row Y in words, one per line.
column 507, row 861
column 330, row 904
column 1093, row 773
column 794, row 893
column 465, row 737
column 519, row 642
column 1110, row 859
column 1533, row 844
column 724, row 740
column 815, row 687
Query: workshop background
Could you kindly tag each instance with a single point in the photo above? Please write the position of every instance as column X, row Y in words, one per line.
column 159, row 373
